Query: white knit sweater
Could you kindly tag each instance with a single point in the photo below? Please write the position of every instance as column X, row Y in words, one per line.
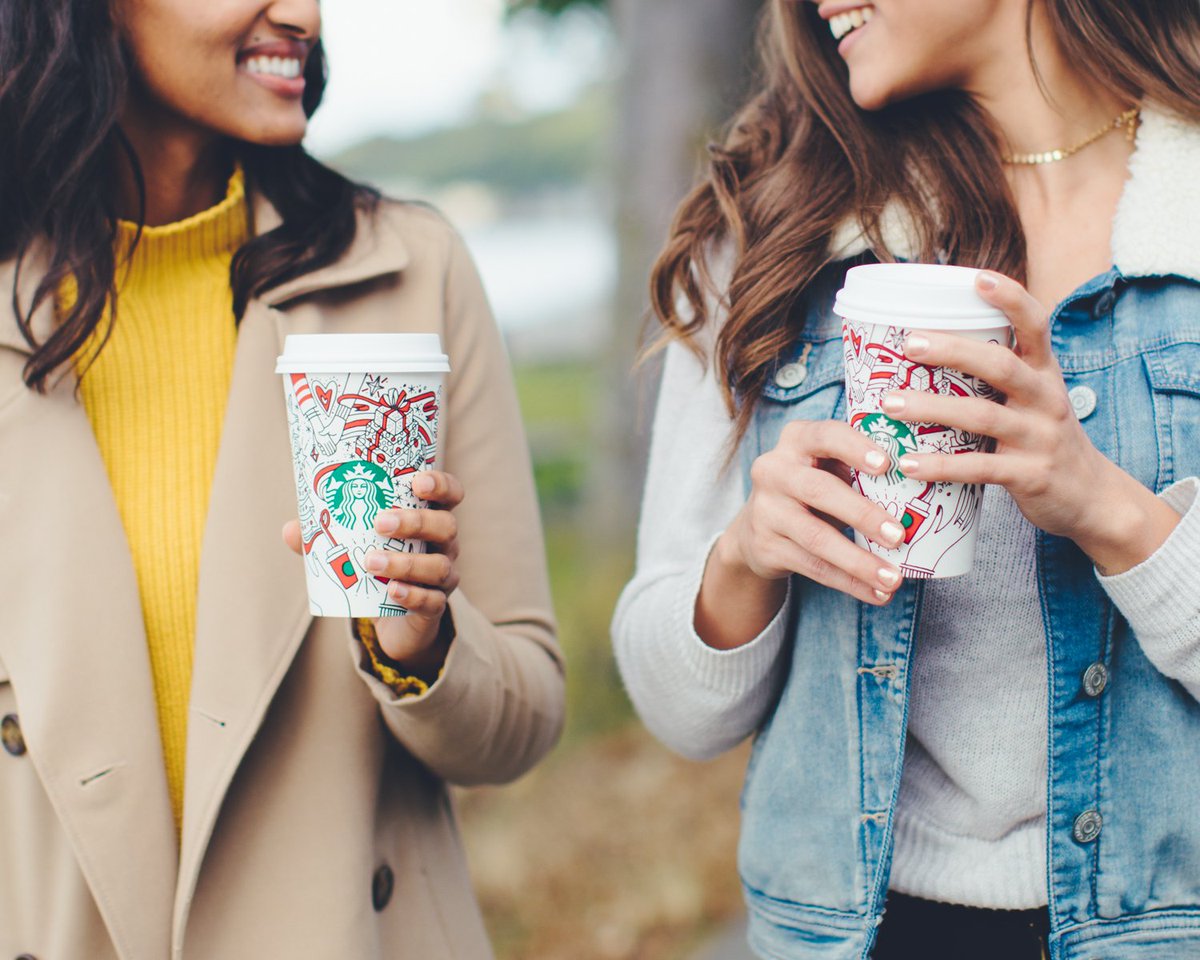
column 970, row 822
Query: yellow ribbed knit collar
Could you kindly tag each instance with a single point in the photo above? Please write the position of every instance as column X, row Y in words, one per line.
column 221, row 229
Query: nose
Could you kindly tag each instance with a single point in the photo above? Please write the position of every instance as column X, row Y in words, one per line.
column 302, row 18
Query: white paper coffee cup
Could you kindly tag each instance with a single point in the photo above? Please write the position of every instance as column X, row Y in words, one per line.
column 363, row 414
column 879, row 305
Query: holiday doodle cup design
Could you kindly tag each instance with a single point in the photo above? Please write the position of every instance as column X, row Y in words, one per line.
column 358, row 438
column 940, row 520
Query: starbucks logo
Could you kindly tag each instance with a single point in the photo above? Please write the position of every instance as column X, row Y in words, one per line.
column 356, row 492
column 894, row 437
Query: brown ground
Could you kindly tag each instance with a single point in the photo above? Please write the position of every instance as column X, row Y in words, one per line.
column 613, row 850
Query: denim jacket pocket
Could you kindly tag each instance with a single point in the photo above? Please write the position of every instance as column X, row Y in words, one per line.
column 1174, row 375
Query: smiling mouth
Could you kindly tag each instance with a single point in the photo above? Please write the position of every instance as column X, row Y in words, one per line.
column 844, row 23
column 286, row 67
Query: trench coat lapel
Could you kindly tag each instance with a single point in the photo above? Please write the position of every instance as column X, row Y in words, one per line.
column 252, row 608
column 87, row 707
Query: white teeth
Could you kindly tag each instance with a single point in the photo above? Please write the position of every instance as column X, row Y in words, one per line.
column 287, row 67
column 843, row 23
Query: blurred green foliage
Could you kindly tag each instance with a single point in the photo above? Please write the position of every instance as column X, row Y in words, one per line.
column 557, row 403
column 552, row 149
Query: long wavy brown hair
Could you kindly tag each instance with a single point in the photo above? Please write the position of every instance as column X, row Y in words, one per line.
column 64, row 74
column 800, row 159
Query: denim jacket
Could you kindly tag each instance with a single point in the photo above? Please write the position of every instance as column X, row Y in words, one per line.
column 1123, row 846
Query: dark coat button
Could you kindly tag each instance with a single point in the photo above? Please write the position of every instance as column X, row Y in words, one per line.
column 382, row 885
column 12, row 738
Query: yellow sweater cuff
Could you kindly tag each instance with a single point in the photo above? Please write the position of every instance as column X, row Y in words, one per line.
column 382, row 666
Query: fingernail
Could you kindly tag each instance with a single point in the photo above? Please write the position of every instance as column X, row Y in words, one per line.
column 888, row 577
column 398, row 591
column 987, row 281
column 892, row 403
column 916, row 344
column 907, row 465
column 377, row 562
column 423, row 484
column 880, row 595
column 892, row 532
column 876, row 460
column 387, row 523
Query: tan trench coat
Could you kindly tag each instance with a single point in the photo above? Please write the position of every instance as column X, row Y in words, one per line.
column 316, row 818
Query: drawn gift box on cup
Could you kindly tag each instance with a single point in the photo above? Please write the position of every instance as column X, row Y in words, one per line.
column 363, row 417
column 879, row 305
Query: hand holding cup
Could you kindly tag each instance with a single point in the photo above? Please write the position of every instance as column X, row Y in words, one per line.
column 421, row 583
column 881, row 304
column 1042, row 453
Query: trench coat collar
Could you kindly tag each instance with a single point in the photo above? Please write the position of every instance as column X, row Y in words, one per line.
column 87, row 708
column 377, row 250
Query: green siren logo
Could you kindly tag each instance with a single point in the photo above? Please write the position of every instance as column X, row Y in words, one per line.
column 892, row 436
column 355, row 493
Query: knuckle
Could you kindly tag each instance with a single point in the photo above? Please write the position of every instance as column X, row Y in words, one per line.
column 1005, row 364
column 822, row 571
column 795, row 431
column 811, row 538
column 412, row 523
column 811, row 486
column 871, row 516
column 1037, row 480
column 988, row 417
column 760, row 471
column 444, row 568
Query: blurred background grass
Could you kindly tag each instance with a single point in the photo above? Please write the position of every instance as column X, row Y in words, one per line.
column 614, row 848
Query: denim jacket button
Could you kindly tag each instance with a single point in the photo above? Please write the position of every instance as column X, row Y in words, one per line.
column 1095, row 679
column 1083, row 401
column 1104, row 305
column 790, row 375
column 1087, row 826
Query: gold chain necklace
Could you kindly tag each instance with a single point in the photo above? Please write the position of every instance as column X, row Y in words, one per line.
column 1127, row 121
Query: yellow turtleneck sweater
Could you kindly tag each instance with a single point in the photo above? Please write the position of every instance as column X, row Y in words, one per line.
column 156, row 398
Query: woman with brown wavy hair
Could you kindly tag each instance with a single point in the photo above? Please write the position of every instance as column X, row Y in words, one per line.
column 1000, row 764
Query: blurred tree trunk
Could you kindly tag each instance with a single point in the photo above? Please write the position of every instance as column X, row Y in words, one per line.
column 687, row 67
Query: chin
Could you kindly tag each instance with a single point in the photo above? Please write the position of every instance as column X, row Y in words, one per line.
column 275, row 135
column 869, row 94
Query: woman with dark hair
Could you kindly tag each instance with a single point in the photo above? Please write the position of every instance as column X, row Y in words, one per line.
column 193, row 766
column 1005, row 761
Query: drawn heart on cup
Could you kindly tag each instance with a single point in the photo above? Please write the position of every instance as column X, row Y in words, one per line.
column 324, row 396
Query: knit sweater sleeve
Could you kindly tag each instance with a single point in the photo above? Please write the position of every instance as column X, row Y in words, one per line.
column 1160, row 597
column 698, row 700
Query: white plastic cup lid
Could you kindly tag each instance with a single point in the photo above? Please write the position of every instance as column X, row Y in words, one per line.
column 363, row 353
column 930, row 296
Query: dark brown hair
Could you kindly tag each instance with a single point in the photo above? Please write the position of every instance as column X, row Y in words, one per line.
column 63, row 79
column 801, row 158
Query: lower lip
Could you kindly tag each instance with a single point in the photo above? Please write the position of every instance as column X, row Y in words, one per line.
column 290, row 87
column 849, row 39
